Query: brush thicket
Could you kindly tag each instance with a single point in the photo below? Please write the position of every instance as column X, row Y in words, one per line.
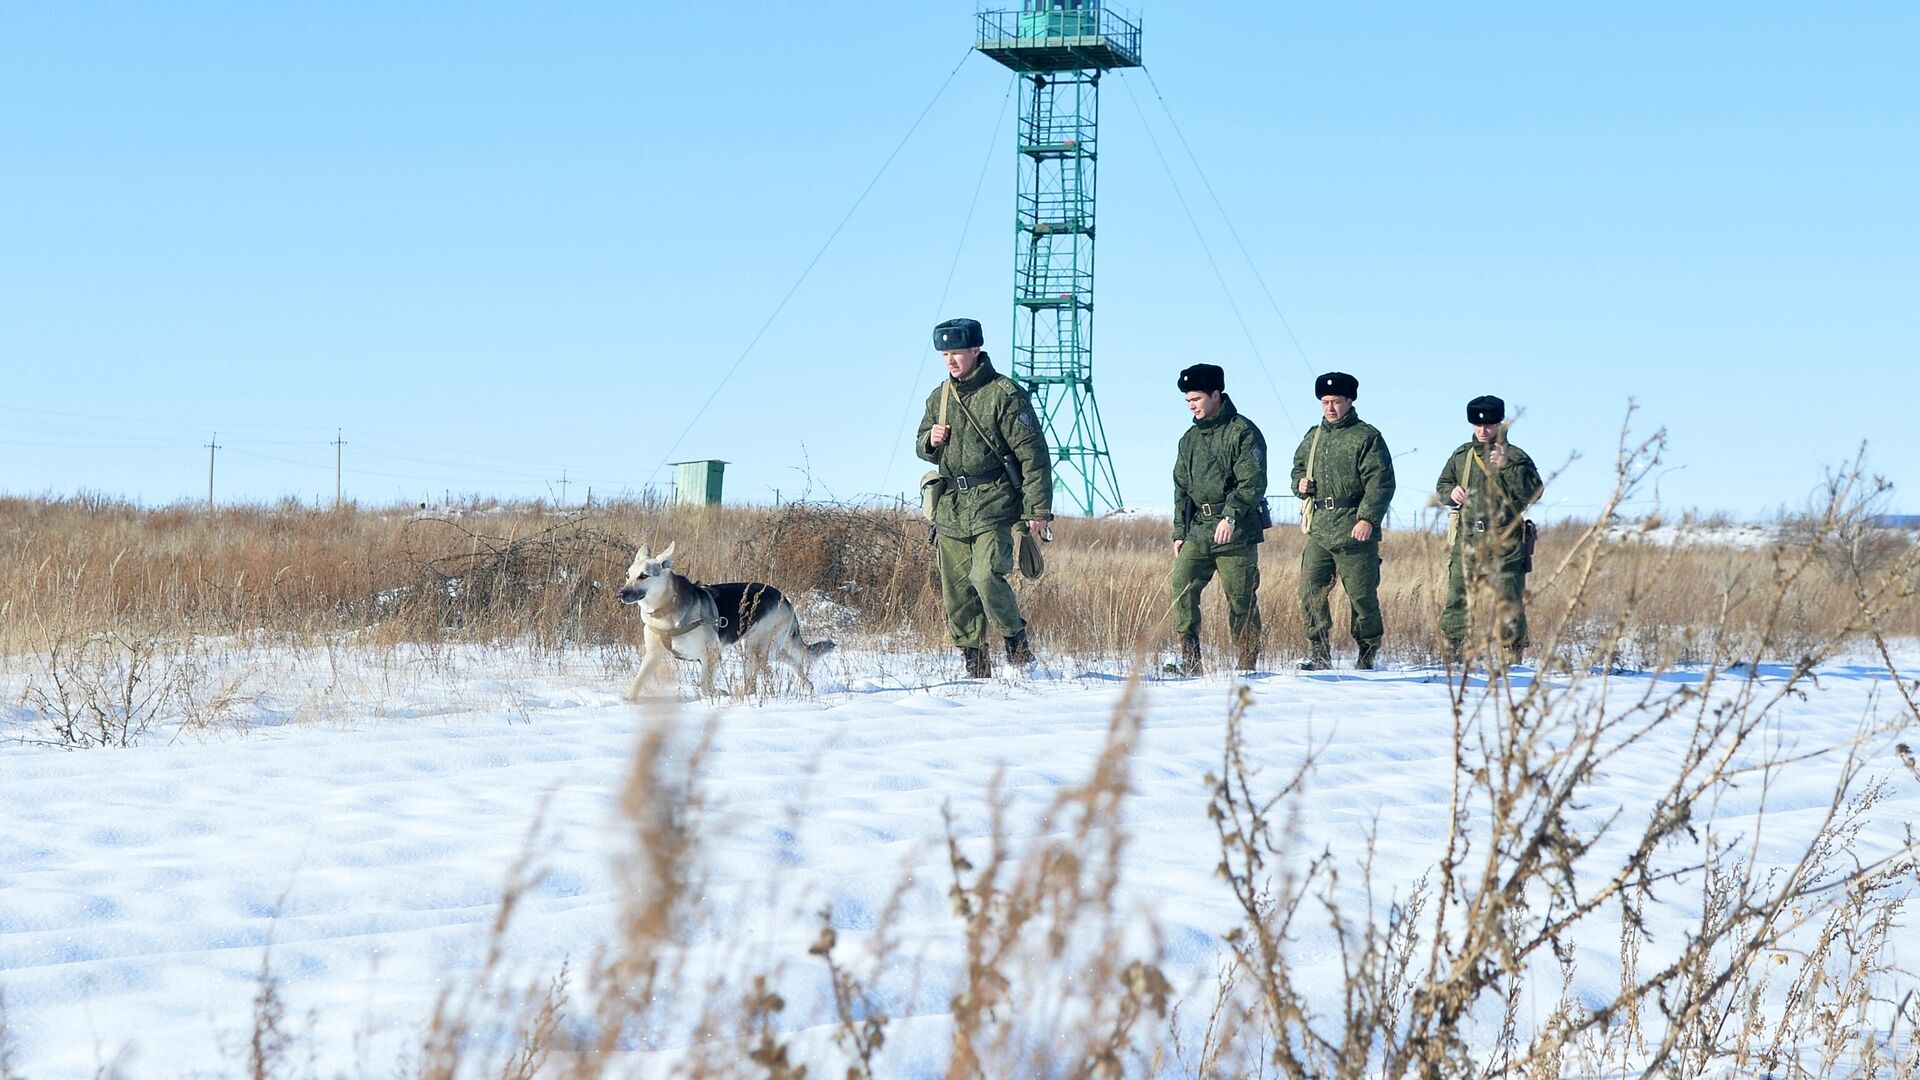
column 1468, row 969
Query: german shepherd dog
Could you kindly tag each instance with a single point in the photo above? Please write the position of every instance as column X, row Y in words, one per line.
column 691, row 621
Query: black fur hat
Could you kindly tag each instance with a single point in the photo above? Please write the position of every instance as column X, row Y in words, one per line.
column 958, row 334
column 1336, row 384
column 1203, row 378
column 1486, row 409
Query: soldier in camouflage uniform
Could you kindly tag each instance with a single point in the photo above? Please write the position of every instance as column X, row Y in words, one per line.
column 1343, row 474
column 995, row 471
column 1219, row 491
column 1487, row 485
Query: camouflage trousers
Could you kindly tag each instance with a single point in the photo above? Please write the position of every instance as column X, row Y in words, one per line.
column 973, row 586
column 1504, row 589
column 1357, row 566
column 1238, row 564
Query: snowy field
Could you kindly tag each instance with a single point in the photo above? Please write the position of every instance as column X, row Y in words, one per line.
column 358, row 829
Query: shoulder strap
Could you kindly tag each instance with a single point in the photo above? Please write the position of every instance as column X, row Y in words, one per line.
column 946, row 395
column 999, row 449
column 1313, row 452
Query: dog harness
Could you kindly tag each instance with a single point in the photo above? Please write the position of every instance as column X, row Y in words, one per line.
column 740, row 605
column 737, row 606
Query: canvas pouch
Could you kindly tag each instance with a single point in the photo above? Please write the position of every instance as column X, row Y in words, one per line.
column 1026, row 554
column 933, row 485
column 1306, row 508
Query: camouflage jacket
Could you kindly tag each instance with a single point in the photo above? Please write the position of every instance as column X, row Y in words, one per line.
column 1496, row 498
column 1352, row 464
column 1006, row 422
column 1219, row 472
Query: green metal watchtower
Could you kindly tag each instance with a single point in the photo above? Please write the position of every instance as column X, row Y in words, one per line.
column 1060, row 48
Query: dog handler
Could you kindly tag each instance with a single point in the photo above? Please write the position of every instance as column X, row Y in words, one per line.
column 995, row 471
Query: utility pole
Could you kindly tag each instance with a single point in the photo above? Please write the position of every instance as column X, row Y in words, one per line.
column 211, row 447
column 563, row 487
column 338, row 442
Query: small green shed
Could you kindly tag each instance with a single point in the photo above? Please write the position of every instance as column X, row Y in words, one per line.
column 697, row 483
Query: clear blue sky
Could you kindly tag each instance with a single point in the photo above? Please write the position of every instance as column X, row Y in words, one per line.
column 493, row 243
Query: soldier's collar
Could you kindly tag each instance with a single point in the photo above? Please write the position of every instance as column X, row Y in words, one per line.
column 980, row 376
column 1226, row 413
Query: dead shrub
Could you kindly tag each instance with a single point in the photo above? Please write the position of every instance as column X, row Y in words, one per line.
column 105, row 688
column 1437, row 980
column 554, row 585
column 871, row 560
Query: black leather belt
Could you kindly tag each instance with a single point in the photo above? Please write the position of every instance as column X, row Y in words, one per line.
column 962, row 483
column 1210, row 510
column 1331, row 503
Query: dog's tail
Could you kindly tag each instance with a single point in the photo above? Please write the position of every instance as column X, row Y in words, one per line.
column 817, row 649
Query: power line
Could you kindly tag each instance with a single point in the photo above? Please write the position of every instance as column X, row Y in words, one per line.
column 959, row 247
column 98, row 445
column 68, row 436
column 778, row 308
column 464, row 452
column 200, row 424
column 1224, row 216
column 532, row 473
column 1208, row 252
column 469, row 478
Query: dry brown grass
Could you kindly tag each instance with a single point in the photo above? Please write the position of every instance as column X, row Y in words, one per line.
column 1782, row 971
column 1525, row 865
column 71, row 569
column 123, row 618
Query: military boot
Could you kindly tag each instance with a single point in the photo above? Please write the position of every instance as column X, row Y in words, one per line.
column 1319, row 656
column 1019, row 651
column 979, row 666
column 1369, row 652
column 1189, row 662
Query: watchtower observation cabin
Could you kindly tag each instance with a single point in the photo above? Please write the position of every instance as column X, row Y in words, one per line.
column 1060, row 48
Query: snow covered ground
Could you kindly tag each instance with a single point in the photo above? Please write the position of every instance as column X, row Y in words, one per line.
column 1747, row 535
column 359, row 829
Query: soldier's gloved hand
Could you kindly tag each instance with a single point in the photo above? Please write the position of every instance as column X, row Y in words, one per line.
column 1458, row 495
column 1223, row 532
column 1363, row 530
column 939, row 434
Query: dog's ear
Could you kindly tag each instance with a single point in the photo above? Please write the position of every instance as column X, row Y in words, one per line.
column 640, row 558
column 666, row 557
